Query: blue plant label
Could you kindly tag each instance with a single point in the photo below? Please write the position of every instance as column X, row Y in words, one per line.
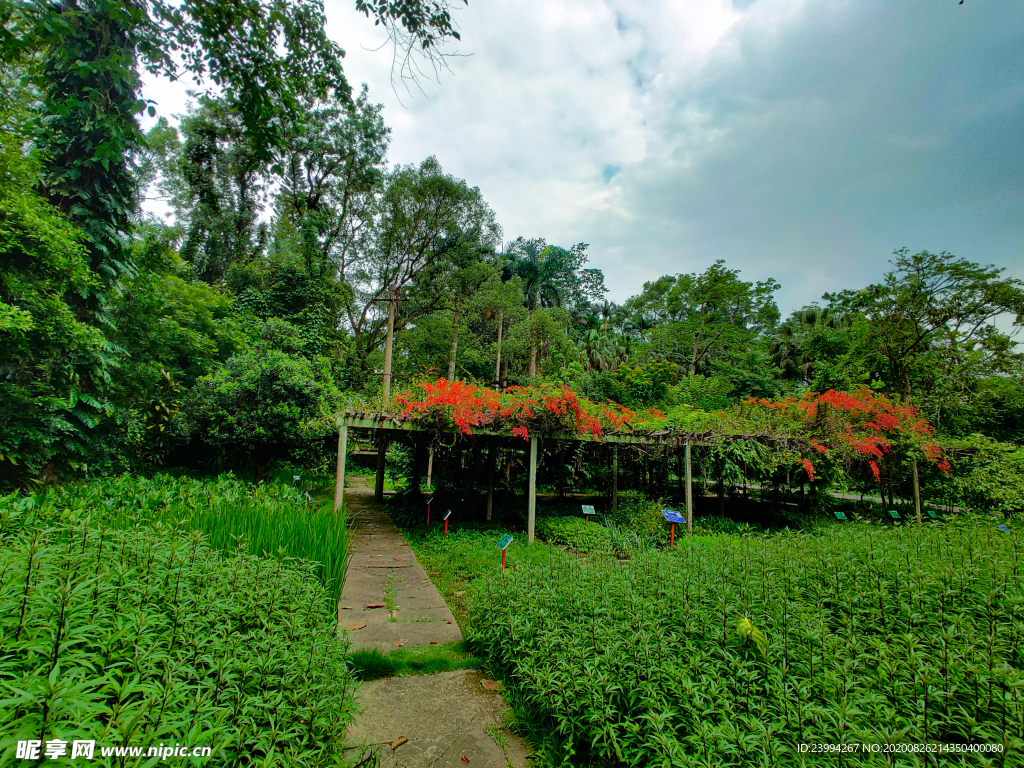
column 1004, row 529
column 308, row 497
column 839, row 515
column 448, row 515
column 588, row 509
column 672, row 516
column 504, row 541
column 894, row 514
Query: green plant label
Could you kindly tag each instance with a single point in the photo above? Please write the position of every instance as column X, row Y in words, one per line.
column 932, row 515
column 588, row 509
column 448, row 515
column 894, row 514
column 504, row 541
column 839, row 515
column 672, row 516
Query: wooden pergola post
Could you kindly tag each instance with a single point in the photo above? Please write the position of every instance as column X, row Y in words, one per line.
column 339, row 475
column 382, row 452
column 491, row 456
column 531, row 494
column 689, row 490
column 615, row 477
column 430, row 466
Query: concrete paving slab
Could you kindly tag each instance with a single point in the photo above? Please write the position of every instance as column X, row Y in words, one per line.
column 445, row 717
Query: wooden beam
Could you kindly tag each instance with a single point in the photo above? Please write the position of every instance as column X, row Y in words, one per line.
column 382, row 452
column 430, row 466
column 531, row 494
column 339, row 475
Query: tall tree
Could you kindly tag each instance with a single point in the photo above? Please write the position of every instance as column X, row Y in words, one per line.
column 701, row 317
column 552, row 277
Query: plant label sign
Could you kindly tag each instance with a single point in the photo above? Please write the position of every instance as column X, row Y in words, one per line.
column 1004, row 529
column 894, row 514
column 309, row 499
column 672, row 516
column 588, row 509
column 932, row 515
column 839, row 515
column 504, row 541
column 445, row 518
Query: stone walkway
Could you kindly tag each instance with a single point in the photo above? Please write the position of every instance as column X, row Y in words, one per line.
column 445, row 719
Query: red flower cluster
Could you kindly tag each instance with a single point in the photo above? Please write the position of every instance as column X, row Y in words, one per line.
column 468, row 406
column 808, row 468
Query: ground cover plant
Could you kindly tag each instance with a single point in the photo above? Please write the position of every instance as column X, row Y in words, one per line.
column 730, row 651
column 142, row 636
column 269, row 518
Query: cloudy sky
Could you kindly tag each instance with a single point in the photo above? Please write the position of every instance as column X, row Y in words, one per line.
column 797, row 139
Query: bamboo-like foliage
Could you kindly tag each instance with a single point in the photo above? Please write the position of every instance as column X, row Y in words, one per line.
column 135, row 637
column 270, row 519
column 869, row 635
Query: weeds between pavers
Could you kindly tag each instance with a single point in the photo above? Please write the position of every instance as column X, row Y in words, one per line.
column 145, row 636
column 908, row 635
column 421, row 660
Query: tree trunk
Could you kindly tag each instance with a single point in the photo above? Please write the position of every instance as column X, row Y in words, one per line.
column 497, row 361
column 389, row 347
column 532, row 370
column 917, row 495
column 455, row 340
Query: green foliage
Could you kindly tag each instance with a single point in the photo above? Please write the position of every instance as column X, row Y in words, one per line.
column 147, row 635
column 732, row 651
column 422, row 660
column 266, row 519
column 991, row 476
column 576, row 534
column 264, row 405
column 646, row 384
column 55, row 368
column 707, row 393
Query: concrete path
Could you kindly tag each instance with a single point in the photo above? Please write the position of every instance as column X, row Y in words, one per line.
column 383, row 571
column 446, row 719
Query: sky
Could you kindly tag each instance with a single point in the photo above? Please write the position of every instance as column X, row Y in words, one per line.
column 802, row 140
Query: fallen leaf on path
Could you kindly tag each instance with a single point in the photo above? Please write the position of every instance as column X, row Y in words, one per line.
column 433, row 642
column 398, row 742
column 400, row 559
column 398, row 645
column 464, row 759
column 490, row 685
column 351, row 627
column 375, row 605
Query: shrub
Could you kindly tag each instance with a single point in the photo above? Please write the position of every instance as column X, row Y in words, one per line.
column 577, row 534
column 146, row 636
column 261, row 407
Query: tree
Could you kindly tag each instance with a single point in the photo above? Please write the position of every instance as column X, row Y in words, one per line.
column 932, row 322
column 267, row 57
column 702, row 317
column 552, row 277
column 423, row 219
column 262, row 406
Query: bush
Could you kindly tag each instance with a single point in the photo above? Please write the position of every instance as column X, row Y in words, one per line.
column 263, row 406
column 147, row 636
column 576, row 534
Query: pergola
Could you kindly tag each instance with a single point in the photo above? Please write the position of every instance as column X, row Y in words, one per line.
column 382, row 428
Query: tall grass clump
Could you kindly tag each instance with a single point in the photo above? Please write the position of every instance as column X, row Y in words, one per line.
column 733, row 651
column 145, row 636
column 270, row 518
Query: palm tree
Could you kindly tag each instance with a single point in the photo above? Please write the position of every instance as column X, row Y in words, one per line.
column 548, row 276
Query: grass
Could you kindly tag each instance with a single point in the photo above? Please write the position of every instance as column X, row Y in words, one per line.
column 422, row 660
column 272, row 518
